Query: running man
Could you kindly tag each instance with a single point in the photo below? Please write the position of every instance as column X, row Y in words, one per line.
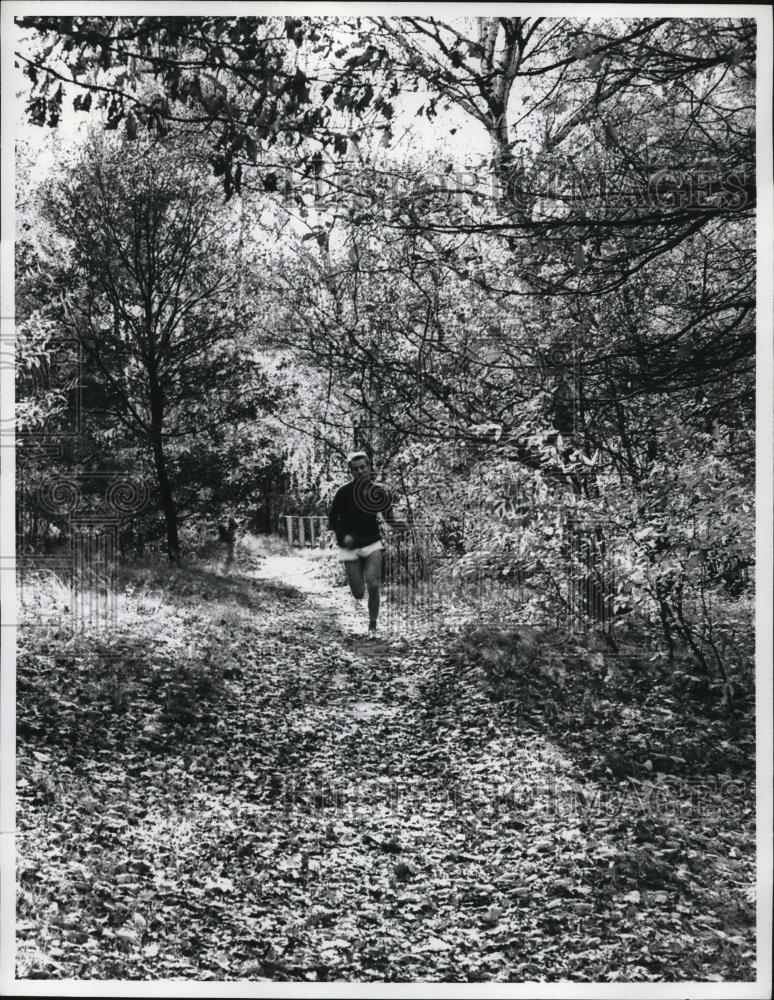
column 352, row 518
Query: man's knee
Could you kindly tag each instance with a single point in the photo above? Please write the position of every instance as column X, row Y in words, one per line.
column 373, row 586
column 358, row 592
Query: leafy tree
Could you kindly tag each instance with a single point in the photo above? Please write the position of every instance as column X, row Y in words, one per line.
column 240, row 82
column 660, row 111
column 612, row 141
column 144, row 275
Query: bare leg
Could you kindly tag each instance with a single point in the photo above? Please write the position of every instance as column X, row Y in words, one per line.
column 373, row 575
column 354, row 570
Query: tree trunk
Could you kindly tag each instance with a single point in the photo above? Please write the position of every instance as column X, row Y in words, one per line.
column 166, row 500
column 228, row 537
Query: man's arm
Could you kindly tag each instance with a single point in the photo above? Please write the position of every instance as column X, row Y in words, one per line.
column 334, row 516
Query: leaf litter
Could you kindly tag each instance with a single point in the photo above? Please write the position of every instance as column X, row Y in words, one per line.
column 241, row 787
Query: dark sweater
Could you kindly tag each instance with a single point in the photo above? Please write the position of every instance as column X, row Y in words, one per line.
column 348, row 516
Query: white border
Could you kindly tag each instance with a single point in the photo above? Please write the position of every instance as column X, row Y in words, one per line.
column 765, row 471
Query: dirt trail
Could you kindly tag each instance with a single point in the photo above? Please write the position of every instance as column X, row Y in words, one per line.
column 430, row 817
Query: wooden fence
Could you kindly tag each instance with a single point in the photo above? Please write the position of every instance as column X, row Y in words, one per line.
column 302, row 530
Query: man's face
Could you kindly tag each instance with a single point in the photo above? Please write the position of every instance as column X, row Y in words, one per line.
column 359, row 468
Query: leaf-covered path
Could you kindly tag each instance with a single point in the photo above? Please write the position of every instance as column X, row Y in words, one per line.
column 237, row 785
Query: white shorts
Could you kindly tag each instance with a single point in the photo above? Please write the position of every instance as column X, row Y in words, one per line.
column 349, row 555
